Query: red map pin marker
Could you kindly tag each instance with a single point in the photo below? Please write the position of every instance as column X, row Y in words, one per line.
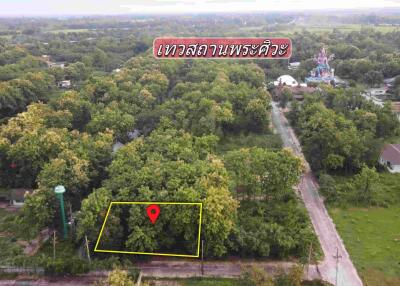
column 153, row 211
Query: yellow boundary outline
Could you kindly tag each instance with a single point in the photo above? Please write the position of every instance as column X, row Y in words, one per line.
column 149, row 253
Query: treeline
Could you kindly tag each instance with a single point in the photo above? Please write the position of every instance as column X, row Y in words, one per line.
column 100, row 50
column 340, row 131
column 17, row 93
column 16, row 62
column 25, row 79
column 343, row 134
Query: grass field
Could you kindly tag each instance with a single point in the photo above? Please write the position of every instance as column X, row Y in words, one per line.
column 389, row 188
column 372, row 237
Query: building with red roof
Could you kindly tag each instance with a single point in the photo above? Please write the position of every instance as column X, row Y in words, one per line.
column 390, row 157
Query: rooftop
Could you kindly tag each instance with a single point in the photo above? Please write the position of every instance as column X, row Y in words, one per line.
column 396, row 107
column 19, row 194
column 391, row 153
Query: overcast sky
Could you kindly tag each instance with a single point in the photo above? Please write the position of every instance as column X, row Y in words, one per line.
column 84, row 7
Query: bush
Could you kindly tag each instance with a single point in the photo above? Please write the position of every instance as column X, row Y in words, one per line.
column 133, row 273
column 72, row 266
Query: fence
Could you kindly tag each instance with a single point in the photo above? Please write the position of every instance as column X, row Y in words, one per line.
column 20, row 270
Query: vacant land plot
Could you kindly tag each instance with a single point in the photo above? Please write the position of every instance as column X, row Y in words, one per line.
column 372, row 237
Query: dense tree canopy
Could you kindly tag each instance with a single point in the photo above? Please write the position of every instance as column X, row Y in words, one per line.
column 341, row 131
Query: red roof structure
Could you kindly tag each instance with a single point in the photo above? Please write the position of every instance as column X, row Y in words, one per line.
column 391, row 153
column 396, row 107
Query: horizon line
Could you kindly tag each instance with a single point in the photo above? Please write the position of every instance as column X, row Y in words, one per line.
column 147, row 14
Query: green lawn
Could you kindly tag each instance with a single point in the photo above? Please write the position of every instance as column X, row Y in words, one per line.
column 389, row 188
column 372, row 237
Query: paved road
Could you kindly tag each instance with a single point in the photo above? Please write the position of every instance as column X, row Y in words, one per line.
column 228, row 269
column 165, row 268
column 324, row 227
column 84, row 280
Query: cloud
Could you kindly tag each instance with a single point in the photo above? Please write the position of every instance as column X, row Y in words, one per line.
column 81, row 7
column 206, row 6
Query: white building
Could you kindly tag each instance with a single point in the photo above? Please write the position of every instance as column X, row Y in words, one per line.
column 286, row 80
column 396, row 109
column 64, row 84
column 389, row 82
column 116, row 146
column 376, row 91
column 294, row 65
column 60, row 65
column 390, row 157
column 376, row 100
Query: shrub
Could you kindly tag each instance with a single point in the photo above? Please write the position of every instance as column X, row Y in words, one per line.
column 72, row 266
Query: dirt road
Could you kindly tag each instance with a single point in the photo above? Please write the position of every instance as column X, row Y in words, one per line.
column 324, row 227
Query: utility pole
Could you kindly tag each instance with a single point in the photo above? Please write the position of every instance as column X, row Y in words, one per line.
column 54, row 245
column 202, row 257
column 70, row 212
column 87, row 248
column 70, row 221
column 337, row 257
column 309, row 259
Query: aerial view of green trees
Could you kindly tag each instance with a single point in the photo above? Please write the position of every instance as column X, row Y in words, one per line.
column 181, row 110
column 134, row 128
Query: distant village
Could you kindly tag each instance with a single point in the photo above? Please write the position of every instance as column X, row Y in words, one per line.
column 323, row 74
